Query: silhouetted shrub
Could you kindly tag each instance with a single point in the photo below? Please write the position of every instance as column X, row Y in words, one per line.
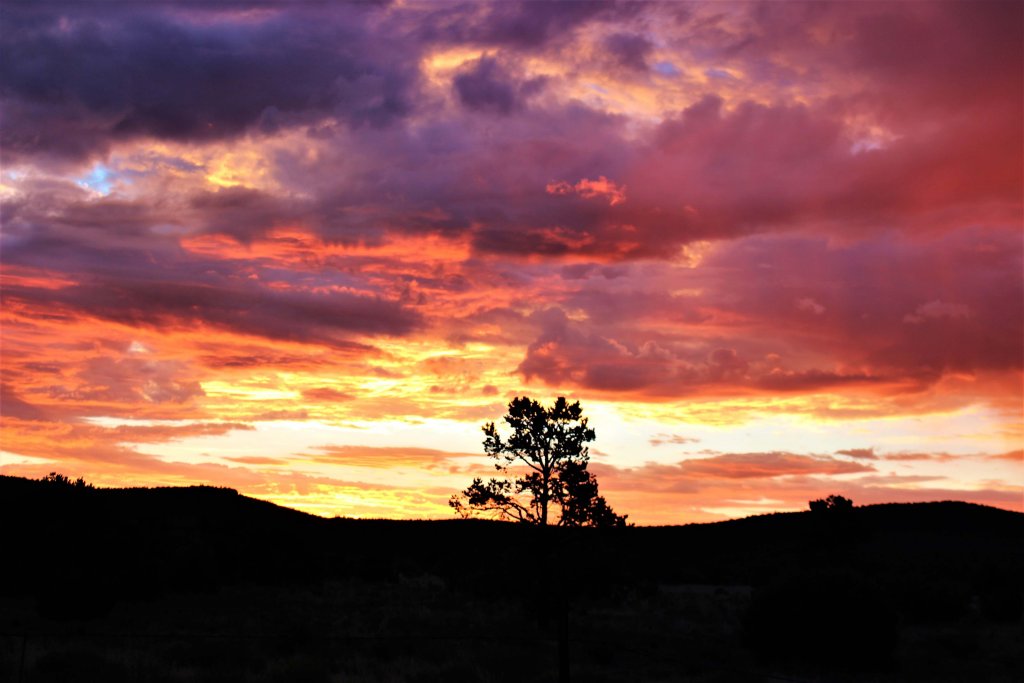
column 837, row 620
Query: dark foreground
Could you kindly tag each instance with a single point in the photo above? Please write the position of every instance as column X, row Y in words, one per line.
column 202, row 584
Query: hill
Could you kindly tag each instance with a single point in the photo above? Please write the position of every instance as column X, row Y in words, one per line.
column 161, row 538
column 877, row 586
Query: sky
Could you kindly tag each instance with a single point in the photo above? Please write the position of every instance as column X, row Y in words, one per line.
column 307, row 249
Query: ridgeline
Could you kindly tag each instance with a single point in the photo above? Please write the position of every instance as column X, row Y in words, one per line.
column 804, row 591
column 145, row 540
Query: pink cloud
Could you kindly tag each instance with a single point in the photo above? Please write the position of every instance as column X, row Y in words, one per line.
column 823, row 199
column 937, row 309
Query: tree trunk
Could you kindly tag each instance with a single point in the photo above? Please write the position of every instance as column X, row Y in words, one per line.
column 545, row 493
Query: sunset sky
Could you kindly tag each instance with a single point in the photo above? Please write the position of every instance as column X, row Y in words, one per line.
column 306, row 249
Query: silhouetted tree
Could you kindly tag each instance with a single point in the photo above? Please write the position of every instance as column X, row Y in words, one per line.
column 544, row 465
column 833, row 503
column 61, row 480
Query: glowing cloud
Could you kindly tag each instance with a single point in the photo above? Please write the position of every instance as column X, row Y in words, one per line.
column 773, row 248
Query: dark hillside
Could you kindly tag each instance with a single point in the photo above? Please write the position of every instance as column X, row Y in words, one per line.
column 957, row 538
column 121, row 542
column 98, row 577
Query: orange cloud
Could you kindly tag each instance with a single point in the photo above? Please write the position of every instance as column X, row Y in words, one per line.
column 601, row 188
column 375, row 245
column 387, row 457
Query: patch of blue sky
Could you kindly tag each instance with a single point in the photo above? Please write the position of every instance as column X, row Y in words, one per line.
column 103, row 178
column 666, row 69
column 99, row 179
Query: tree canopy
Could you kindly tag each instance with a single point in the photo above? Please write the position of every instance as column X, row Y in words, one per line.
column 833, row 503
column 58, row 479
column 543, row 469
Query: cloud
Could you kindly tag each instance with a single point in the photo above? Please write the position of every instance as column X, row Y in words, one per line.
column 774, row 464
column 486, row 86
column 909, row 456
column 729, row 326
column 674, row 439
column 810, row 305
column 130, row 380
column 247, row 309
column 822, row 217
column 567, row 353
column 159, row 433
column 1011, row 456
column 590, row 189
column 101, row 448
column 629, row 50
column 937, row 309
column 760, row 470
column 326, row 394
column 104, row 69
column 13, row 406
column 522, row 26
column 386, row 456
column 859, row 453
column 148, row 280
column 259, row 460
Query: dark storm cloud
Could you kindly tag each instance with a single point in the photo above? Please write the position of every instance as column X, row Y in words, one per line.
column 245, row 213
column 299, row 316
column 132, row 275
column 188, row 72
column 629, row 50
column 464, row 174
column 486, row 86
column 713, row 170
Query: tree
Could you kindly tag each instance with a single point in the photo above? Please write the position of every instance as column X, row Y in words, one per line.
column 833, row 503
column 543, row 466
column 57, row 479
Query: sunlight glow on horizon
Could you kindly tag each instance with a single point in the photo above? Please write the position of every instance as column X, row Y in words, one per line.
column 774, row 253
